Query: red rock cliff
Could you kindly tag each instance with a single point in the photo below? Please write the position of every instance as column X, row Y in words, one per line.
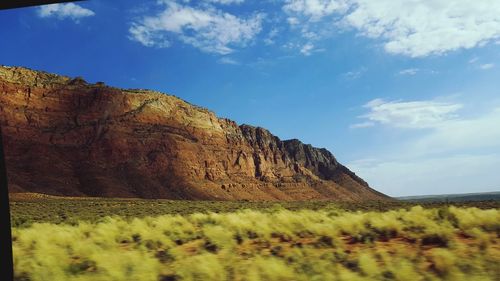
column 63, row 136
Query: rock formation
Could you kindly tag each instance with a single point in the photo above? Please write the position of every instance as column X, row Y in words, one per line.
column 64, row 136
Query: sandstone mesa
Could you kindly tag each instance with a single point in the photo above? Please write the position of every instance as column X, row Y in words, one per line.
column 64, row 136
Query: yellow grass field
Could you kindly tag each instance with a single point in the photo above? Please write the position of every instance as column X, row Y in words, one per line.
column 447, row 243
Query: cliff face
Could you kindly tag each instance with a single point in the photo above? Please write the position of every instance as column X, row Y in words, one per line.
column 63, row 136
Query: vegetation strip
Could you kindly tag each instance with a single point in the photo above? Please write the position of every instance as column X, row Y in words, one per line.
column 445, row 243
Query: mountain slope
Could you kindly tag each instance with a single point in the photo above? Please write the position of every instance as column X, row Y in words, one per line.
column 63, row 136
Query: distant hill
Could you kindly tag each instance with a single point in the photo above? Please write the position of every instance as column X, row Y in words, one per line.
column 480, row 196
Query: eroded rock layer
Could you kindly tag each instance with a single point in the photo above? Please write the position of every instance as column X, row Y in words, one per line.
column 63, row 136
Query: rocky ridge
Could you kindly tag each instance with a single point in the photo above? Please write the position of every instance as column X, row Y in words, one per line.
column 64, row 136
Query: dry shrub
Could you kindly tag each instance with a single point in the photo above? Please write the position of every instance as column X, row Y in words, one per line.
column 251, row 245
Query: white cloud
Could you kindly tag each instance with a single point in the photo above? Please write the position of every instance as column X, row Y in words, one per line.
column 62, row 11
column 292, row 21
column 409, row 71
column 487, row 66
column 147, row 37
column 307, row 49
column 409, row 27
column 315, row 9
column 227, row 60
column 225, row 2
column 310, row 35
column 414, row 114
column 208, row 29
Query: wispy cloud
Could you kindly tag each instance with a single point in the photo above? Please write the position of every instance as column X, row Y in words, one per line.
column 354, row 74
column 269, row 40
column 443, row 159
column 473, row 60
column 415, row 71
column 409, row 71
column 63, row 11
column 292, row 21
column 486, row 66
column 228, row 60
column 412, row 115
column 462, row 133
column 225, row 2
column 206, row 28
column 315, row 9
column 307, row 49
column 362, row 125
column 430, row 175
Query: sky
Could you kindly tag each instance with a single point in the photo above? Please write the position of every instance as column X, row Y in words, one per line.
column 405, row 93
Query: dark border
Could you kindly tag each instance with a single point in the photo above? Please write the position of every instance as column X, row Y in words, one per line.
column 6, row 261
column 6, row 4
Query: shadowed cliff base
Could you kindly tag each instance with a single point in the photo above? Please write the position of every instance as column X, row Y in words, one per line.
column 66, row 137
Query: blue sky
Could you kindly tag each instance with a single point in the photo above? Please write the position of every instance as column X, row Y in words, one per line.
column 406, row 93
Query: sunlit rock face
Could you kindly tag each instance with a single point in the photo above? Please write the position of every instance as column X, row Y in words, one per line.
column 63, row 136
